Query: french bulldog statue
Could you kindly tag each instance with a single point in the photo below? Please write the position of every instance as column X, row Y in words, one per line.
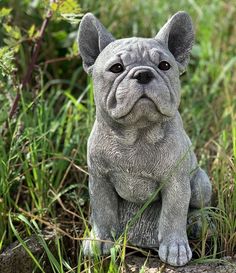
column 138, row 144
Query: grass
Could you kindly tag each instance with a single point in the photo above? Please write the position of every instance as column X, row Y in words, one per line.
column 43, row 173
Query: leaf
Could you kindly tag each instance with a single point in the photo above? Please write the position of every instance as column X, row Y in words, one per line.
column 72, row 18
column 54, row 6
column 6, row 61
column 31, row 31
column 13, row 32
column 60, row 35
column 3, row 115
column 4, row 12
column 75, row 48
column 69, row 6
column 68, row 10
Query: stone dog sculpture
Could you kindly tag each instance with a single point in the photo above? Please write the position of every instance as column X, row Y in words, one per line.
column 138, row 143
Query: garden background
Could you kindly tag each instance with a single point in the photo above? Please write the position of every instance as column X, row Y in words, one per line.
column 47, row 111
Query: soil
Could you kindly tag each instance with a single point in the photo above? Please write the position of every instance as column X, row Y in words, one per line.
column 14, row 259
column 154, row 265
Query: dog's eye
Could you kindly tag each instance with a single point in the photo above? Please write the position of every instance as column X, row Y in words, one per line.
column 164, row 65
column 117, row 68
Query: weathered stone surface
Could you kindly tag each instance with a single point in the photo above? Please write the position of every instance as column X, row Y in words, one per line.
column 154, row 265
column 15, row 259
column 139, row 154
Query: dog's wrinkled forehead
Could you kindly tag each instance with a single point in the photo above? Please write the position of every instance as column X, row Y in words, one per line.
column 138, row 50
column 131, row 51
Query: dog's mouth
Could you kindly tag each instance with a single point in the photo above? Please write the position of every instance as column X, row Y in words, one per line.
column 143, row 99
column 144, row 96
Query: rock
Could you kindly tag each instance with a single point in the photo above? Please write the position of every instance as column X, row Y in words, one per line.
column 154, row 265
column 15, row 259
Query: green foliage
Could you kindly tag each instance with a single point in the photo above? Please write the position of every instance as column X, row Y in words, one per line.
column 43, row 178
column 68, row 10
column 7, row 66
column 4, row 12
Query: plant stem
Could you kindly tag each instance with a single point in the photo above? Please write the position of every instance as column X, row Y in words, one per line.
column 30, row 69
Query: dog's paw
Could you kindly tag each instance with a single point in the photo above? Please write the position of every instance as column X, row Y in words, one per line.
column 175, row 253
column 93, row 247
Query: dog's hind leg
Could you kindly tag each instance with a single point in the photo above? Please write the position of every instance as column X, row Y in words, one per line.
column 201, row 190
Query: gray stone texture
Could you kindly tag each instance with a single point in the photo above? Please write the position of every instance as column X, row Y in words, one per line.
column 138, row 146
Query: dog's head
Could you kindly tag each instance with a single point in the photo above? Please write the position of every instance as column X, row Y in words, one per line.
column 136, row 79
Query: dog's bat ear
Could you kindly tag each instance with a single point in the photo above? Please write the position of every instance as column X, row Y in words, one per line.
column 178, row 35
column 92, row 39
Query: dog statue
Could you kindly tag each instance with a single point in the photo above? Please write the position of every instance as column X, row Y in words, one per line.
column 138, row 148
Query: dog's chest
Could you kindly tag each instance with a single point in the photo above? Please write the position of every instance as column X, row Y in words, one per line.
column 135, row 171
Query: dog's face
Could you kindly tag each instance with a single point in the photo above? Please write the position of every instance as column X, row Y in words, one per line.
column 136, row 80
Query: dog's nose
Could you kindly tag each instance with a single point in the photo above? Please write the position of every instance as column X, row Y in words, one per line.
column 143, row 76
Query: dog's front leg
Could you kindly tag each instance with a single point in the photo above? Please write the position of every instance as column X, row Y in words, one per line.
column 174, row 248
column 104, row 217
